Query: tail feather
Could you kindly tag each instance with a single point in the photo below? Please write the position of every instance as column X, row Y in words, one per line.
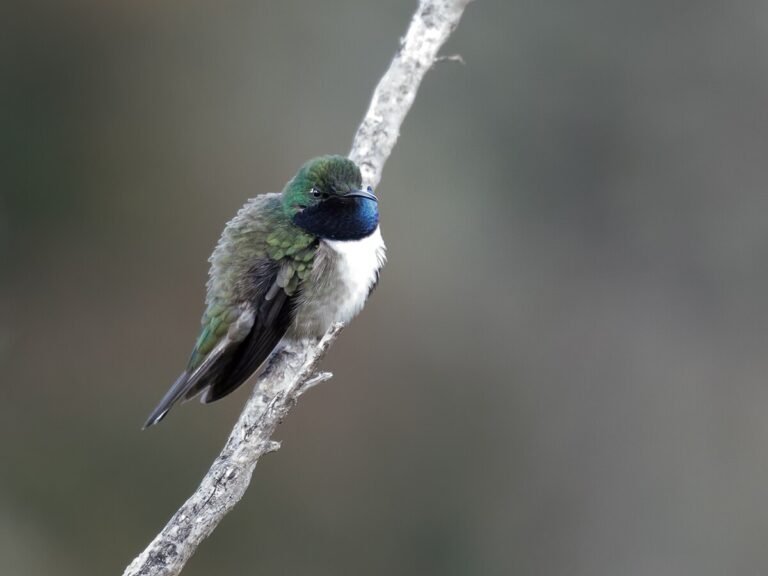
column 179, row 388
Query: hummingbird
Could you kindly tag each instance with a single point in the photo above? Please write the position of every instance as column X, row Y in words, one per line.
column 286, row 267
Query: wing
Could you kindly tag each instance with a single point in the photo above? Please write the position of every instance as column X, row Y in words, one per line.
column 273, row 314
column 233, row 344
column 252, row 292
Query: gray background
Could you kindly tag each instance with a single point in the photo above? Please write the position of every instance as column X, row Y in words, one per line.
column 562, row 370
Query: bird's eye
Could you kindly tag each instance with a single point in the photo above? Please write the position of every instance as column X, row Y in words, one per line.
column 316, row 193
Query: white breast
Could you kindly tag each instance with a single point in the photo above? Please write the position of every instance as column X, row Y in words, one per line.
column 357, row 267
column 343, row 274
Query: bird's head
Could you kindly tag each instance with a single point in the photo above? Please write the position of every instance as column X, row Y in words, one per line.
column 326, row 199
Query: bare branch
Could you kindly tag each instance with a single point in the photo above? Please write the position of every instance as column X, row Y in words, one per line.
column 452, row 58
column 292, row 370
column 314, row 381
column 376, row 137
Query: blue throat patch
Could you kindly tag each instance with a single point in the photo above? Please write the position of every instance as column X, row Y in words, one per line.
column 340, row 218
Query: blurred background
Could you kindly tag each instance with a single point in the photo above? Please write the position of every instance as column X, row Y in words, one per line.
column 563, row 368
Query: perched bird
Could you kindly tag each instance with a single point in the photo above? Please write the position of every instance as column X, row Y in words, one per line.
column 287, row 266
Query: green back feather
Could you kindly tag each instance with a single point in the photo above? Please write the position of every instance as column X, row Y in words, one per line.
column 260, row 231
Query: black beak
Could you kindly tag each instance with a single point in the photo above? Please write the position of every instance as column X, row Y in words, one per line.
column 362, row 194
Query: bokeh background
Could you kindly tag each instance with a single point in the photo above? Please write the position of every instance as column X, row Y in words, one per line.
column 563, row 370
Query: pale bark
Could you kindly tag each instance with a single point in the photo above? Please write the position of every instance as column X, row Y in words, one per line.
column 292, row 370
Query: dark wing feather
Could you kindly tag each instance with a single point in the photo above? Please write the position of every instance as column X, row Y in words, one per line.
column 239, row 354
column 176, row 391
column 272, row 321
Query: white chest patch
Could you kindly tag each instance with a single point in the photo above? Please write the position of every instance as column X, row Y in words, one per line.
column 343, row 275
column 357, row 267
